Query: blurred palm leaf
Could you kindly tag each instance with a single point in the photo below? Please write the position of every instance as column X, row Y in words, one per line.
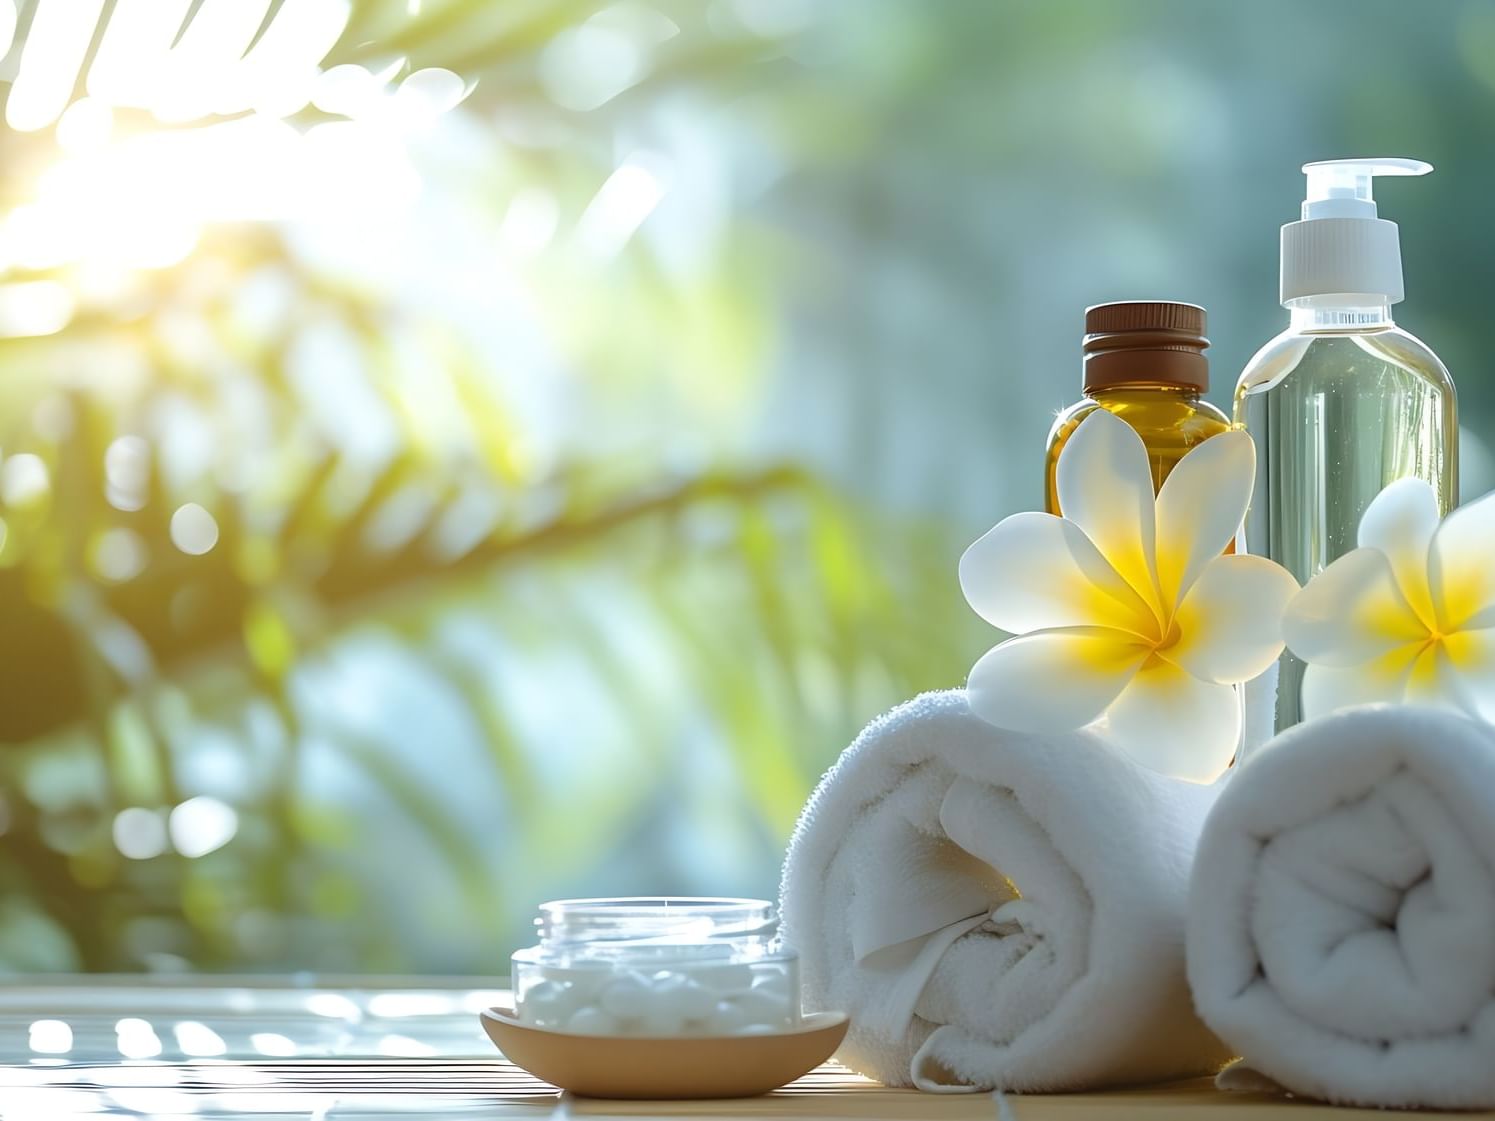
column 274, row 538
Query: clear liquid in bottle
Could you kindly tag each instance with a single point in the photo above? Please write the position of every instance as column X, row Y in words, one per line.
column 1340, row 405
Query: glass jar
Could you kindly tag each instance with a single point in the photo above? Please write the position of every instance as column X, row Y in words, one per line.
column 658, row 967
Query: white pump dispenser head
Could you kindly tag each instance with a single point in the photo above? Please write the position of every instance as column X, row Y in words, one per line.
column 1341, row 253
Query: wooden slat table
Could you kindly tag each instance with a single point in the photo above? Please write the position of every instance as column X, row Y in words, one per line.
column 360, row 1053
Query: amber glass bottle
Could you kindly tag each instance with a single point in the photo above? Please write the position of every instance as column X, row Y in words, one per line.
column 1144, row 361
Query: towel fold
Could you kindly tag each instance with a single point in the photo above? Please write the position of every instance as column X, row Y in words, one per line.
column 997, row 910
column 1341, row 927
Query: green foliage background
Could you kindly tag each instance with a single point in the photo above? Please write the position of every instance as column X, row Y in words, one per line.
column 502, row 664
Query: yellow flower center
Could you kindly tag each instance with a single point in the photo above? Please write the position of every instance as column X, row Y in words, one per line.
column 1171, row 636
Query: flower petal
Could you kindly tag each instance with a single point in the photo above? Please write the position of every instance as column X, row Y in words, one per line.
column 1105, row 488
column 1169, row 720
column 1200, row 509
column 1462, row 577
column 1400, row 521
column 1230, row 621
column 1328, row 688
column 1035, row 572
column 1471, row 655
column 1053, row 681
column 1350, row 613
column 1434, row 680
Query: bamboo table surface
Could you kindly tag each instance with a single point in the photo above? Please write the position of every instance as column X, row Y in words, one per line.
column 93, row 1048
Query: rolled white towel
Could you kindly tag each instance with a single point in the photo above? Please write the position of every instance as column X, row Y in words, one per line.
column 997, row 910
column 1342, row 915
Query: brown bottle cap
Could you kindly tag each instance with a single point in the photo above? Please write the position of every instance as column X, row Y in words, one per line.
column 1145, row 342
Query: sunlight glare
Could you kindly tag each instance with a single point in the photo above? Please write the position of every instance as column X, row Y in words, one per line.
column 396, row 1006
column 7, row 26
column 198, row 1040
column 277, row 76
column 155, row 1102
column 206, row 57
column 131, row 63
column 60, row 33
column 273, row 1044
column 51, row 1037
column 32, row 308
column 349, row 90
column 403, row 1047
column 120, row 202
column 427, row 94
column 136, row 1039
column 86, row 126
column 334, row 1006
column 529, row 223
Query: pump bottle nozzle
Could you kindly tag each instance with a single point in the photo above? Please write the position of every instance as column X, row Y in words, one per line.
column 1342, row 188
column 1341, row 253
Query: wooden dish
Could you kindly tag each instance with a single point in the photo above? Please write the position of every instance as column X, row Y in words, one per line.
column 601, row 1066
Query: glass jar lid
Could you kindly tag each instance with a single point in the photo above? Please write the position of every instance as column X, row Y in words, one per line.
column 655, row 921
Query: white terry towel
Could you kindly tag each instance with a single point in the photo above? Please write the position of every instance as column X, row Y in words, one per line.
column 1342, row 917
column 997, row 910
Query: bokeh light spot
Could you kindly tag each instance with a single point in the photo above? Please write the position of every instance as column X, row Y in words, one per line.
column 334, row 1006
column 118, row 555
column 24, row 480
column 202, row 825
column 586, row 67
column 427, row 94
column 193, row 530
column 349, row 90
column 136, row 1039
column 402, row 1046
column 622, row 203
column 33, row 308
column 199, row 1040
column 127, row 466
column 51, row 1037
column 273, row 1044
column 139, row 833
column 529, row 222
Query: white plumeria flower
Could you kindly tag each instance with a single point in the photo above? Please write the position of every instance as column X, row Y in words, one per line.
column 1125, row 608
column 1409, row 616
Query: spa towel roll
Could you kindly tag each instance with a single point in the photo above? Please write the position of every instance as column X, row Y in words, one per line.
column 997, row 910
column 1342, row 917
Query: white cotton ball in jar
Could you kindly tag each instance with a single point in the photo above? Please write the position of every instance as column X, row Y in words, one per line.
column 758, row 1029
column 591, row 1020
column 586, row 982
column 763, row 1005
column 725, row 979
column 658, row 1023
column 678, row 996
column 726, row 1018
column 626, row 996
column 774, row 981
column 548, row 1003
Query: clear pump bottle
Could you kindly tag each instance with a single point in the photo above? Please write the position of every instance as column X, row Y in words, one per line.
column 1340, row 404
